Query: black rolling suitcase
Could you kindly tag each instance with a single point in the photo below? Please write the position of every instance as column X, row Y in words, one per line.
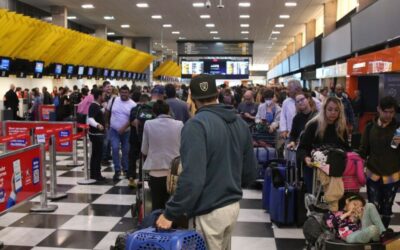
column 341, row 245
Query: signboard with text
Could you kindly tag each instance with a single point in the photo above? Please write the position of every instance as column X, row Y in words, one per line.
column 20, row 176
column 44, row 112
column 62, row 130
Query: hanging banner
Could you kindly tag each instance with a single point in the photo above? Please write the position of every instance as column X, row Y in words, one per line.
column 20, row 177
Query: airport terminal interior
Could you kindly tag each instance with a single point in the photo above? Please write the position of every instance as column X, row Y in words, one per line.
column 257, row 45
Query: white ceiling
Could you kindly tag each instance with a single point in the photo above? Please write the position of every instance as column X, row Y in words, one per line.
column 264, row 14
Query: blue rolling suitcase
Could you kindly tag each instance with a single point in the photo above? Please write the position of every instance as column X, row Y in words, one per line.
column 264, row 155
column 266, row 191
column 153, row 239
column 282, row 198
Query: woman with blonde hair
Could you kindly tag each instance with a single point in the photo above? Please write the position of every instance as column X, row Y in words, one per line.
column 327, row 131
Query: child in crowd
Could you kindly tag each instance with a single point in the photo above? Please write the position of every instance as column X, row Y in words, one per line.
column 358, row 221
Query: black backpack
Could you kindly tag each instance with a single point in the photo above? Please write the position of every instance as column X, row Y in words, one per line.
column 143, row 114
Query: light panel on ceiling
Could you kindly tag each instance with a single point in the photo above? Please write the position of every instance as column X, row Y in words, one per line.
column 156, row 17
column 87, row 6
column 290, row 4
column 244, row 4
column 204, row 16
column 210, row 25
column 284, row 16
column 244, row 16
column 198, row 5
column 142, row 5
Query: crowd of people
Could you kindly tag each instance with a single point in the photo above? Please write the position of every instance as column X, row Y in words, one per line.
column 201, row 124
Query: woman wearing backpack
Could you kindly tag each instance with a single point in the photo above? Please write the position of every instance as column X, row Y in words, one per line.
column 326, row 130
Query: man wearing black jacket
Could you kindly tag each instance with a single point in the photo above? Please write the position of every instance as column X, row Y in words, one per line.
column 217, row 159
column 383, row 161
column 46, row 97
column 11, row 101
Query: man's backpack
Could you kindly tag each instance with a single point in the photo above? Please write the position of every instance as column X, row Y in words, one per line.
column 144, row 113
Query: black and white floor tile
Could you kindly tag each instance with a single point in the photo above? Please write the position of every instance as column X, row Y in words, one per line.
column 92, row 216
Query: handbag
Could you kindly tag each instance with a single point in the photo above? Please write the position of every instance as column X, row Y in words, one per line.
column 173, row 175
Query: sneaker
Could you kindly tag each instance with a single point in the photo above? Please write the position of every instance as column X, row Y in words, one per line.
column 132, row 183
column 116, row 177
column 105, row 163
column 388, row 236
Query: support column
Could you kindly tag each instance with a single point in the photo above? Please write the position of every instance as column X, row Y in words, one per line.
column 310, row 30
column 145, row 44
column 101, row 32
column 127, row 41
column 362, row 4
column 298, row 42
column 59, row 16
column 330, row 11
column 290, row 49
column 8, row 4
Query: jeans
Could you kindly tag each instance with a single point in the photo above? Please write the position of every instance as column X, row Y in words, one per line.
column 159, row 194
column 371, row 226
column 116, row 140
column 382, row 196
column 95, row 159
column 106, row 146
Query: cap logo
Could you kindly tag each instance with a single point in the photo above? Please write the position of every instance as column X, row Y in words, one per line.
column 204, row 86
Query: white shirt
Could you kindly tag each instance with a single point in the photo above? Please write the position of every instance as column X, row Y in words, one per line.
column 161, row 143
column 120, row 112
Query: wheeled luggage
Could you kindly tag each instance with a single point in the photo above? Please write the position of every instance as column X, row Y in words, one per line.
column 151, row 238
column 341, row 245
column 266, row 191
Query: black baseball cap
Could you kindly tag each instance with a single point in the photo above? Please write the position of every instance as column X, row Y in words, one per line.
column 203, row 87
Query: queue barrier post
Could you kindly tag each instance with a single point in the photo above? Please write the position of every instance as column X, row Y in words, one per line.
column 53, row 194
column 44, row 206
column 87, row 179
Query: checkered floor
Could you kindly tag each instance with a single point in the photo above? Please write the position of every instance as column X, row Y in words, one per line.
column 92, row 216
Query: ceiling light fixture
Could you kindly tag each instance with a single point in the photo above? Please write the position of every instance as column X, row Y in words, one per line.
column 156, row 17
column 245, row 25
column 125, row 26
column 72, row 18
column 167, row 25
column 244, row 4
column 175, row 32
column 275, row 32
column 290, row 4
column 110, row 33
column 210, row 25
column 142, row 5
column 198, row 5
column 279, row 25
column 274, row 38
column 181, row 38
column 245, row 32
column 216, row 38
column 214, row 32
column 244, row 16
column 284, row 16
column 204, row 16
column 87, row 6
column 109, row 18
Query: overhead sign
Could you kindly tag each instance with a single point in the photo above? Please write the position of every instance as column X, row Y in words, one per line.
column 207, row 48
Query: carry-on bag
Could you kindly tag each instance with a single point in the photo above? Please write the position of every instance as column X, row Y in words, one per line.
column 151, row 238
column 266, row 191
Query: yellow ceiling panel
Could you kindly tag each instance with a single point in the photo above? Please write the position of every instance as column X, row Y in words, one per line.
column 29, row 38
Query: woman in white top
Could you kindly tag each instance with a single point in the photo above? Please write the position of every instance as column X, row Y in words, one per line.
column 161, row 143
